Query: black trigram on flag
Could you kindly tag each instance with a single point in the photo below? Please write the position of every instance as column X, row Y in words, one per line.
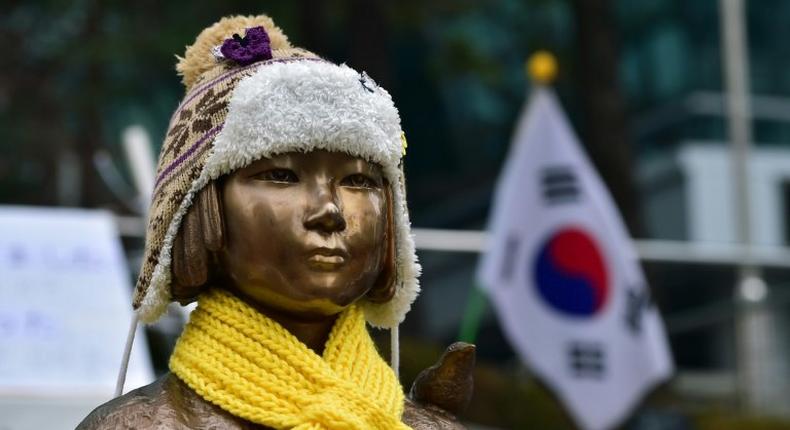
column 559, row 185
column 637, row 303
column 587, row 359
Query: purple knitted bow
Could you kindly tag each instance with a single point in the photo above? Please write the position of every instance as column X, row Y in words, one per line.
column 254, row 46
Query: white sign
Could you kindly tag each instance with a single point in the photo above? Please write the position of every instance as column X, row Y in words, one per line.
column 64, row 305
column 565, row 279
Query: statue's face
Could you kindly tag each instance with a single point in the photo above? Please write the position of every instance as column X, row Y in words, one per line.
column 305, row 231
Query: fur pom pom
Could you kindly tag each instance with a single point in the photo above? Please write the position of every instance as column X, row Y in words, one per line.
column 198, row 58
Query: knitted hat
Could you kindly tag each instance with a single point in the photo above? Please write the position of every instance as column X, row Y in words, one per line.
column 254, row 96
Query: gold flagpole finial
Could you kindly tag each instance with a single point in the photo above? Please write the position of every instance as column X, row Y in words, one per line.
column 542, row 67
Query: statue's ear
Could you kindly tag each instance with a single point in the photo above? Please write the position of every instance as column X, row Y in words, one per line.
column 384, row 288
column 201, row 232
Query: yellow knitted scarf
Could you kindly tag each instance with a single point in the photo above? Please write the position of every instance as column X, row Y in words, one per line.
column 247, row 364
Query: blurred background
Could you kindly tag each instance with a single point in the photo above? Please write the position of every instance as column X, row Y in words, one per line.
column 641, row 81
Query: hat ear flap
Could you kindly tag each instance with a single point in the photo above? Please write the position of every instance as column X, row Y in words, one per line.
column 201, row 232
column 384, row 287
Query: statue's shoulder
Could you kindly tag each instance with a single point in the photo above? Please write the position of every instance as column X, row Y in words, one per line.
column 144, row 408
column 167, row 403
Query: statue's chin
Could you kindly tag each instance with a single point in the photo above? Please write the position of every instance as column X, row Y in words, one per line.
column 314, row 303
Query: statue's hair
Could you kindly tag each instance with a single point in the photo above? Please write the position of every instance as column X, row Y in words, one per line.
column 202, row 236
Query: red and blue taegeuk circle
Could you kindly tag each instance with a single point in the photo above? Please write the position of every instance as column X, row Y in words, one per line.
column 570, row 273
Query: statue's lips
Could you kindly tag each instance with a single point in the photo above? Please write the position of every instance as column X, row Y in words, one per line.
column 327, row 258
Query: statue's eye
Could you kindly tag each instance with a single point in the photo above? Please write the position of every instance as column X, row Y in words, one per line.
column 359, row 180
column 278, row 175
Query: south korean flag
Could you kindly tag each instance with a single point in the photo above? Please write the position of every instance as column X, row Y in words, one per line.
column 564, row 276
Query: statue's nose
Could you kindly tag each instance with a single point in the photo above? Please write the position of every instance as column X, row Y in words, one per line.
column 325, row 214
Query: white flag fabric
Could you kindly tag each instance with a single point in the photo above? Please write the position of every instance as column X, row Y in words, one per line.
column 564, row 277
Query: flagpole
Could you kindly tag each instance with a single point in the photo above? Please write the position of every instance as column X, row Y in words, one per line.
column 541, row 69
column 476, row 306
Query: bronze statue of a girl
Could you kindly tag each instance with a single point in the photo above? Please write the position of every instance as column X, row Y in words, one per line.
column 279, row 206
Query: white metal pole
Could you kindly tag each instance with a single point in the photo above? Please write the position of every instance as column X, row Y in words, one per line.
column 736, row 73
column 758, row 361
column 735, row 63
column 142, row 163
